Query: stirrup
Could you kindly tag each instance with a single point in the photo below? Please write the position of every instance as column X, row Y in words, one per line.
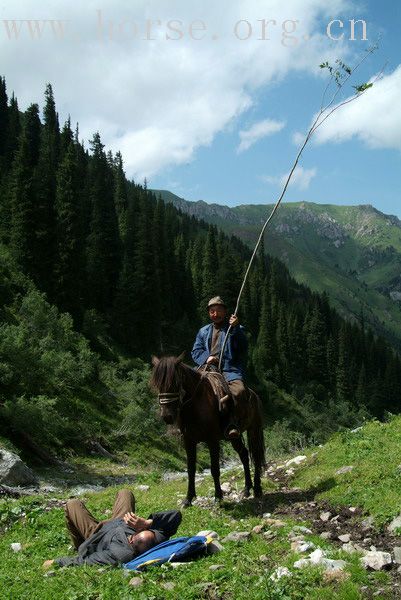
column 232, row 433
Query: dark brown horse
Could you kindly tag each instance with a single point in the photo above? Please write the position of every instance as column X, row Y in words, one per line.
column 187, row 399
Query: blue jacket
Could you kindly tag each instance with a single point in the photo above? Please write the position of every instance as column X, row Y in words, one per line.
column 233, row 364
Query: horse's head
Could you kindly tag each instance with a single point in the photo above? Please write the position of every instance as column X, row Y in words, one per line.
column 167, row 380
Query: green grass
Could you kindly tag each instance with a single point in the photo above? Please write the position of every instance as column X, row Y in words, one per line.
column 242, row 576
column 375, row 482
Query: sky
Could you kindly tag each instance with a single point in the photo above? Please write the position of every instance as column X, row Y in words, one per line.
column 212, row 100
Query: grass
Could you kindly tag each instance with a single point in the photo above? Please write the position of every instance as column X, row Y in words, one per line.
column 242, row 576
column 375, row 481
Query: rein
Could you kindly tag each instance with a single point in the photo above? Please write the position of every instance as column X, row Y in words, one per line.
column 166, row 398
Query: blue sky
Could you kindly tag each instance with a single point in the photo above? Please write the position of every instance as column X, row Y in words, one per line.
column 179, row 90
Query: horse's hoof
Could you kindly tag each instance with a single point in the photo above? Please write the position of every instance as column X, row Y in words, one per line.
column 186, row 503
column 257, row 492
column 246, row 493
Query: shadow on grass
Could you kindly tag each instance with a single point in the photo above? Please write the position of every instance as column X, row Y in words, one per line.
column 270, row 501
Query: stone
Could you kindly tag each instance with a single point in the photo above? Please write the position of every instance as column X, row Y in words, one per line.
column 177, row 564
column 136, row 582
column 352, row 509
column 275, row 522
column 367, row 523
column 216, row 567
column 325, row 516
column 15, row 472
column 279, row 573
column 266, row 515
column 257, row 529
column 395, row 524
column 226, row 487
column 317, row 555
column 376, row 560
column 300, row 564
column 264, row 558
column 343, row 470
column 237, row 536
column 336, row 575
column 302, row 546
column 269, row 535
column 345, row 538
column 350, row 548
column 326, row 535
column 143, row 487
column 208, row 533
column 302, row 529
column 16, row 547
column 214, row 547
column 50, row 574
column 397, row 554
column 297, row 460
column 168, row 585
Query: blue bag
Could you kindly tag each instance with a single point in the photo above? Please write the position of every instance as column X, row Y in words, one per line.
column 174, row 550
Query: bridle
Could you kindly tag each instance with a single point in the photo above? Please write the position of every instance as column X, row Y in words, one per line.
column 166, row 398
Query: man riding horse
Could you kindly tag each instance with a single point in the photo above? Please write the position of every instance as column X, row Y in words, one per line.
column 206, row 352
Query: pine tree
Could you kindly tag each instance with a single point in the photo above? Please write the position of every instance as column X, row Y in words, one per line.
column 22, row 192
column 343, row 382
column 103, row 243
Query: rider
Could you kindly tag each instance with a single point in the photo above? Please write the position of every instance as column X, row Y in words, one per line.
column 207, row 347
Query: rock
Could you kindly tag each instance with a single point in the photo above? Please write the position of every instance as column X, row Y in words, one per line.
column 351, row 548
column 209, row 533
column 326, row 535
column 216, row 567
column 257, row 529
column 136, row 582
column 344, row 470
column 334, row 519
column 352, row 509
column 50, row 574
column 16, row 547
column 269, row 535
column 300, row 564
column 168, row 585
column 302, row 546
column 317, row 555
column 15, row 472
column 177, row 564
column 143, row 488
column 297, row 460
column 344, row 538
column 367, row 523
column 356, row 429
column 399, row 569
column 226, row 487
column 302, row 529
column 237, row 536
column 397, row 554
column 336, row 575
column 376, row 560
column 279, row 573
column 395, row 524
column 266, row 515
column 325, row 516
column 290, row 472
column 264, row 558
column 275, row 522
column 214, row 547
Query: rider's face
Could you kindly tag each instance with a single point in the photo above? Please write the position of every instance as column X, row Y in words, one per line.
column 217, row 313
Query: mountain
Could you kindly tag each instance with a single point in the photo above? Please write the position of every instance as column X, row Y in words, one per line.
column 351, row 252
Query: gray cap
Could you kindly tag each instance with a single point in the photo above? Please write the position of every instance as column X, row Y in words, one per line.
column 216, row 300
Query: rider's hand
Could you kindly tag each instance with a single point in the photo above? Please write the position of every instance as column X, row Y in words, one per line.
column 234, row 321
column 212, row 360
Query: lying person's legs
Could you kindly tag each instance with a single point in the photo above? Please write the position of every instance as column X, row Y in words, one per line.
column 124, row 503
column 80, row 523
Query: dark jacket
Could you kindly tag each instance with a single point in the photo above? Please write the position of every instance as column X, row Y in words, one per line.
column 109, row 545
column 233, row 364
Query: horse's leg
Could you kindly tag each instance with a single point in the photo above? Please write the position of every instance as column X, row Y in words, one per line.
column 190, row 447
column 240, row 447
column 214, row 450
column 257, row 450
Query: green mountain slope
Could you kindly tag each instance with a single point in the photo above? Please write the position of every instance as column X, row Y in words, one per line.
column 351, row 252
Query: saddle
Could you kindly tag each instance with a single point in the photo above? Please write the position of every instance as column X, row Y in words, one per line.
column 219, row 387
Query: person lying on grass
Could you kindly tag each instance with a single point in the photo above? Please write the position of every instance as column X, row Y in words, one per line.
column 117, row 540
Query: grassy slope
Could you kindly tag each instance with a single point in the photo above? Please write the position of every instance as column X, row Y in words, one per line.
column 374, row 485
column 347, row 272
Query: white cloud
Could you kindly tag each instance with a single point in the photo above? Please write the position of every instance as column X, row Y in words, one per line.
column 159, row 100
column 258, row 131
column 298, row 138
column 375, row 117
column 301, row 178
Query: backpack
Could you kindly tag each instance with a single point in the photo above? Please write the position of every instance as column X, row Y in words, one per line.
column 174, row 550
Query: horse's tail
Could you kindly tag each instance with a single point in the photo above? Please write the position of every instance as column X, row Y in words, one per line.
column 256, row 441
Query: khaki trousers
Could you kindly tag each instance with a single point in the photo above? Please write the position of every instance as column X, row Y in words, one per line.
column 81, row 524
column 238, row 390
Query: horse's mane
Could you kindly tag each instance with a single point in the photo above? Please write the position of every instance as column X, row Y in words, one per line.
column 166, row 374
